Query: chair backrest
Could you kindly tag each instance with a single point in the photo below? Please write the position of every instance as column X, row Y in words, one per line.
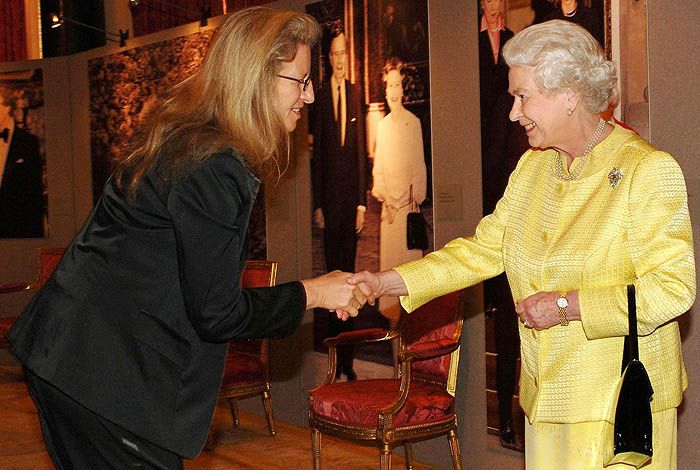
column 48, row 259
column 259, row 273
column 47, row 262
column 256, row 273
column 439, row 320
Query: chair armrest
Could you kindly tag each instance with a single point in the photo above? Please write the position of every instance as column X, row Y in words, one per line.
column 429, row 350
column 369, row 335
column 17, row 287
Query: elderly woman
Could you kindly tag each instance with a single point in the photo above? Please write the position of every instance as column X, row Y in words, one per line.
column 590, row 208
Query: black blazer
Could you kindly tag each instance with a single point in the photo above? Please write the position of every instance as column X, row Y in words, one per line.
column 339, row 173
column 21, row 192
column 493, row 83
column 590, row 18
column 502, row 141
column 133, row 324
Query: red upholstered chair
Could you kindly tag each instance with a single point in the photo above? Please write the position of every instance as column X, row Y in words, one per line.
column 48, row 259
column 247, row 371
column 416, row 405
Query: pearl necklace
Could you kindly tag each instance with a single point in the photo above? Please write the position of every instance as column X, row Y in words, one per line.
column 574, row 174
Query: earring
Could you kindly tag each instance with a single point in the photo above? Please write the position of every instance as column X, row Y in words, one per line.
column 569, row 112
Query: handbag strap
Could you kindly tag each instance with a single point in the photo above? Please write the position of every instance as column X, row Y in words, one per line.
column 631, row 351
column 412, row 202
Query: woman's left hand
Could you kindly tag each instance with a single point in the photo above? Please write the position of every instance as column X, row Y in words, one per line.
column 540, row 310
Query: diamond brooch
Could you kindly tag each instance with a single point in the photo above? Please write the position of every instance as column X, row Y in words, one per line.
column 614, row 177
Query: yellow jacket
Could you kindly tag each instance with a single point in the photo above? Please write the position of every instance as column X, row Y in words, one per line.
column 586, row 235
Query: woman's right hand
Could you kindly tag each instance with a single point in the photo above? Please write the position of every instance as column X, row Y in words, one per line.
column 332, row 291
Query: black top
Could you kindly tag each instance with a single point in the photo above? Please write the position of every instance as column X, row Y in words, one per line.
column 133, row 324
column 589, row 18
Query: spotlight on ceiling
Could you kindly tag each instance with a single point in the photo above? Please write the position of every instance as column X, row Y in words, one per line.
column 56, row 21
column 121, row 37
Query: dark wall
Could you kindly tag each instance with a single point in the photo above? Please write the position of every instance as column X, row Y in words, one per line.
column 71, row 38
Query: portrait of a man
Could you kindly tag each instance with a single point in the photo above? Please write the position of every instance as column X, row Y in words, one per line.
column 21, row 165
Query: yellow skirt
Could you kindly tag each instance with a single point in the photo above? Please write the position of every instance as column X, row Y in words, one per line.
column 550, row 446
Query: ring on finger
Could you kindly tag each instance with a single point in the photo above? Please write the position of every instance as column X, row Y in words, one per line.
column 526, row 323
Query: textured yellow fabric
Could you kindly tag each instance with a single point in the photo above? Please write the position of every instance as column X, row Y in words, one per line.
column 578, row 446
column 554, row 235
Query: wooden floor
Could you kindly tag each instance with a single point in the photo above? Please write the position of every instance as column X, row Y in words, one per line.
column 249, row 447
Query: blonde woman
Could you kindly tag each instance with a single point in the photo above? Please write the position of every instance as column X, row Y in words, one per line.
column 124, row 346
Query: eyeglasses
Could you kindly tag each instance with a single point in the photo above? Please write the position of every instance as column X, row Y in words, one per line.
column 303, row 82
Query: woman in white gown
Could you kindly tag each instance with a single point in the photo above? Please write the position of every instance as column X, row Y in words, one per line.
column 399, row 171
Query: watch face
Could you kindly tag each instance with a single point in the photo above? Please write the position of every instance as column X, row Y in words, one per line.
column 562, row 302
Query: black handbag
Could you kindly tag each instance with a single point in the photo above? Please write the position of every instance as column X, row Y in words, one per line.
column 416, row 227
column 632, row 428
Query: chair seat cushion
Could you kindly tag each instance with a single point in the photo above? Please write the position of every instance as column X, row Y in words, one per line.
column 242, row 368
column 358, row 403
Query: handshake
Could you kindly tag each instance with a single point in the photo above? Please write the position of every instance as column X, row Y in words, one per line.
column 346, row 293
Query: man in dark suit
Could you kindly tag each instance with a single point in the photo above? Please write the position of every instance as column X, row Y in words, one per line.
column 542, row 9
column 587, row 14
column 502, row 143
column 339, row 177
column 21, row 190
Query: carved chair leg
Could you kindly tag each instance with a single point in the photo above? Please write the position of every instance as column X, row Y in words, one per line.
column 233, row 404
column 409, row 455
column 385, row 457
column 267, row 404
column 316, row 448
column 454, row 450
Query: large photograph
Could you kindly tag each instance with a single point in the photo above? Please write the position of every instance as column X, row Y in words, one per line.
column 371, row 163
column 123, row 89
column 125, row 86
column 23, row 200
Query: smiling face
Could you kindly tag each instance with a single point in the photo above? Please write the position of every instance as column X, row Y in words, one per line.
column 338, row 57
column 290, row 96
column 540, row 114
column 492, row 10
column 394, row 89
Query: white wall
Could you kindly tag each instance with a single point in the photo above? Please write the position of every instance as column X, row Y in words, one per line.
column 674, row 79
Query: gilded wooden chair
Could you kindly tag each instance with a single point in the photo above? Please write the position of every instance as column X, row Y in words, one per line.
column 417, row 404
column 48, row 259
column 247, row 369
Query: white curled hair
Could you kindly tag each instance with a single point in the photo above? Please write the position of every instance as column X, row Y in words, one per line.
column 564, row 55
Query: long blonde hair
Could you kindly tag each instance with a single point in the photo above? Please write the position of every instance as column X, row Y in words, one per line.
column 229, row 102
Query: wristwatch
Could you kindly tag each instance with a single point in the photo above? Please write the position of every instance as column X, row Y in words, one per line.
column 562, row 303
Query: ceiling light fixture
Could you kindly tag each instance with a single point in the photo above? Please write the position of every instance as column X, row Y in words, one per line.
column 59, row 20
